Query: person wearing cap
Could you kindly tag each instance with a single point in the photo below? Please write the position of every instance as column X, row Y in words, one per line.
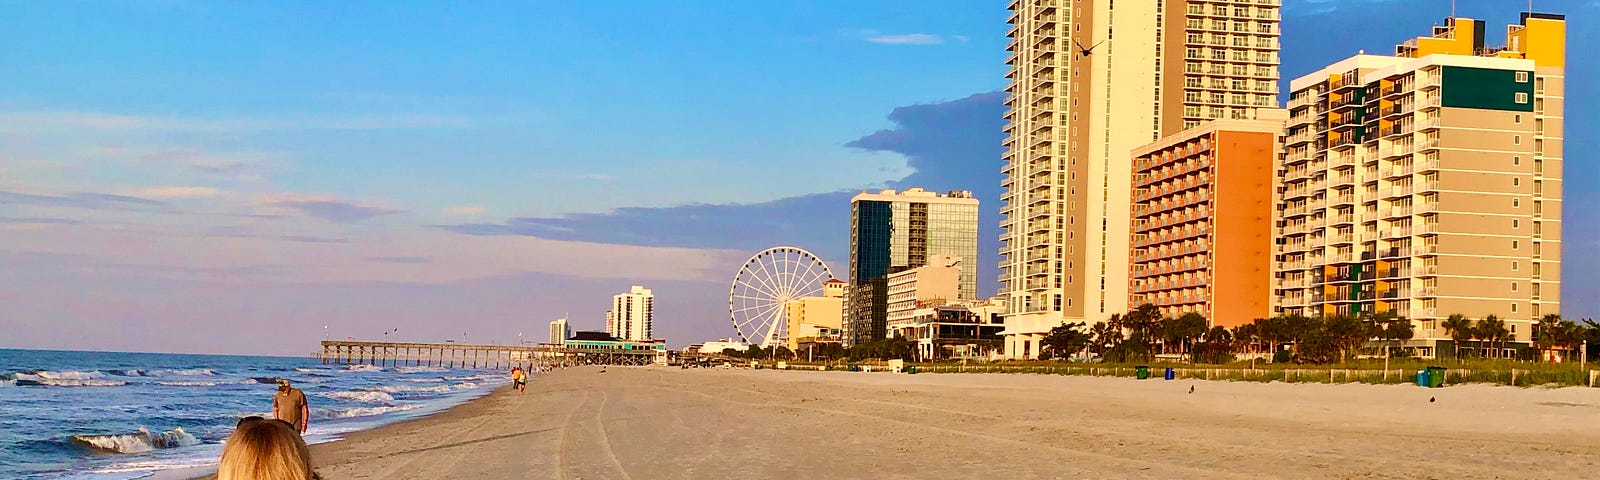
column 290, row 406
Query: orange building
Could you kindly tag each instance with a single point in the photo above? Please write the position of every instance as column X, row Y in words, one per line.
column 1203, row 220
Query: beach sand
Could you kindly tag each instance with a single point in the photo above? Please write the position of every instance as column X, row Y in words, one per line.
column 657, row 422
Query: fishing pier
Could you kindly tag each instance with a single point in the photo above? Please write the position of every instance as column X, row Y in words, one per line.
column 459, row 355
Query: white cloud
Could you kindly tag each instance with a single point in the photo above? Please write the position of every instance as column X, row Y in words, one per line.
column 72, row 121
column 465, row 210
column 907, row 39
column 178, row 192
column 268, row 256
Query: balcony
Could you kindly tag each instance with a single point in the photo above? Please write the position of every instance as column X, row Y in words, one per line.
column 1428, row 81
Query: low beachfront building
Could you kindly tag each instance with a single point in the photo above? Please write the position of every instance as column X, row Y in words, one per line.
column 811, row 320
column 718, row 346
column 959, row 330
column 603, row 341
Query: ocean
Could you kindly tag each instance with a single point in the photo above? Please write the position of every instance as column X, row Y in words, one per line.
column 103, row 415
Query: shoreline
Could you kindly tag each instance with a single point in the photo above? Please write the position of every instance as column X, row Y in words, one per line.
column 209, row 472
column 653, row 422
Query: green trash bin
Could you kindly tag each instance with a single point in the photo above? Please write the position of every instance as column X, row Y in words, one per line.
column 1435, row 377
column 911, row 369
column 1142, row 372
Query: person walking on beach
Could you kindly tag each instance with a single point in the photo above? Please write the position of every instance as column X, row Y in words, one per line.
column 290, row 406
column 519, row 379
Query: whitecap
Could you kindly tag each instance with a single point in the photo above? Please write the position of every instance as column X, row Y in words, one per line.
column 36, row 380
column 142, row 441
column 366, row 397
column 421, row 369
column 362, row 411
column 187, row 372
column 66, row 375
column 409, row 388
column 193, row 384
column 363, row 368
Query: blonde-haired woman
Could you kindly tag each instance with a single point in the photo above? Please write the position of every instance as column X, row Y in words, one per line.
column 261, row 449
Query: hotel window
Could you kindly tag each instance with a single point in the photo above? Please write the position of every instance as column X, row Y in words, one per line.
column 1516, row 118
column 1516, row 203
column 1516, row 182
column 1513, row 308
column 1516, row 139
column 1516, row 160
column 1516, row 223
column 1513, row 286
column 1522, row 77
column 1515, row 244
column 1514, row 265
column 1522, row 97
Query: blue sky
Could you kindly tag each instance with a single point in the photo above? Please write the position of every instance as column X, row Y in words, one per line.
column 232, row 176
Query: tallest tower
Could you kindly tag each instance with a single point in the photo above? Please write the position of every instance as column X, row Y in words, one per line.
column 1090, row 80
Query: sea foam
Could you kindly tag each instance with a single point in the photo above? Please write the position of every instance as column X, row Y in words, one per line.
column 139, row 442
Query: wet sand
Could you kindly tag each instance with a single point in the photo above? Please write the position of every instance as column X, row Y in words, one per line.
column 656, row 422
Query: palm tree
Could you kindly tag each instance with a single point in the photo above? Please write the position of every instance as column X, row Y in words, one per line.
column 1459, row 327
column 1188, row 328
column 1493, row 329
column 1247, row 336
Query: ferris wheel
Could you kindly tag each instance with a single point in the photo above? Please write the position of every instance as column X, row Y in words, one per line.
column 765, row 285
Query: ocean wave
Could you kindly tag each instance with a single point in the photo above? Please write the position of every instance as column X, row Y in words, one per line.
column 310, row 370
column 195, row 384
column 139, row 442
column 424, row 380
column 64, row 375
column 186, row 372
column 403, row 389
column 363, row 368
column 365, row 397
column 421, row 369
column 329, row 413
column 39, row 380
column 127, row 373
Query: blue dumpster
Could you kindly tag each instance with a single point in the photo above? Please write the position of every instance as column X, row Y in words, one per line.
column 1422, row 378
column 1171, row 374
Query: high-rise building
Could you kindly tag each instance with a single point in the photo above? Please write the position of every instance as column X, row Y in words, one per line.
column 559, row 331
column 1204, row 220
column 632, row 315
column 893, row 231
column 1080, row 100
column 1429, row 183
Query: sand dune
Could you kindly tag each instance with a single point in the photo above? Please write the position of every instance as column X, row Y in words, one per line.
column 655, row 423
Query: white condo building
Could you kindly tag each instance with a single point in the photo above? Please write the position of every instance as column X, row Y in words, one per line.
column 559, row 331
column 632, row 315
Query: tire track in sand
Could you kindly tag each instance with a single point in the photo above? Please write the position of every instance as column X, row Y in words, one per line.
column 562, row 451
column 600, row 427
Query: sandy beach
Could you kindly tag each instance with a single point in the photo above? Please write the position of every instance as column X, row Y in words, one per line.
column 655, row 422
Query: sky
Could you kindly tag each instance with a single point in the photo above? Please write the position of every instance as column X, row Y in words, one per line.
column 247, row 177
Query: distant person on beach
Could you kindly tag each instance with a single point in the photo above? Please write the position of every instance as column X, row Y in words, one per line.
column 519, row 379
column 290, row 406
column 261, row 449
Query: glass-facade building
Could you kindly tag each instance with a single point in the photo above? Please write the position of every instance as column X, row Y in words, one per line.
column 893, row 231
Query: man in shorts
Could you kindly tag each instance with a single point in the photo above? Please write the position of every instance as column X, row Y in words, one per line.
column 290, row 406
